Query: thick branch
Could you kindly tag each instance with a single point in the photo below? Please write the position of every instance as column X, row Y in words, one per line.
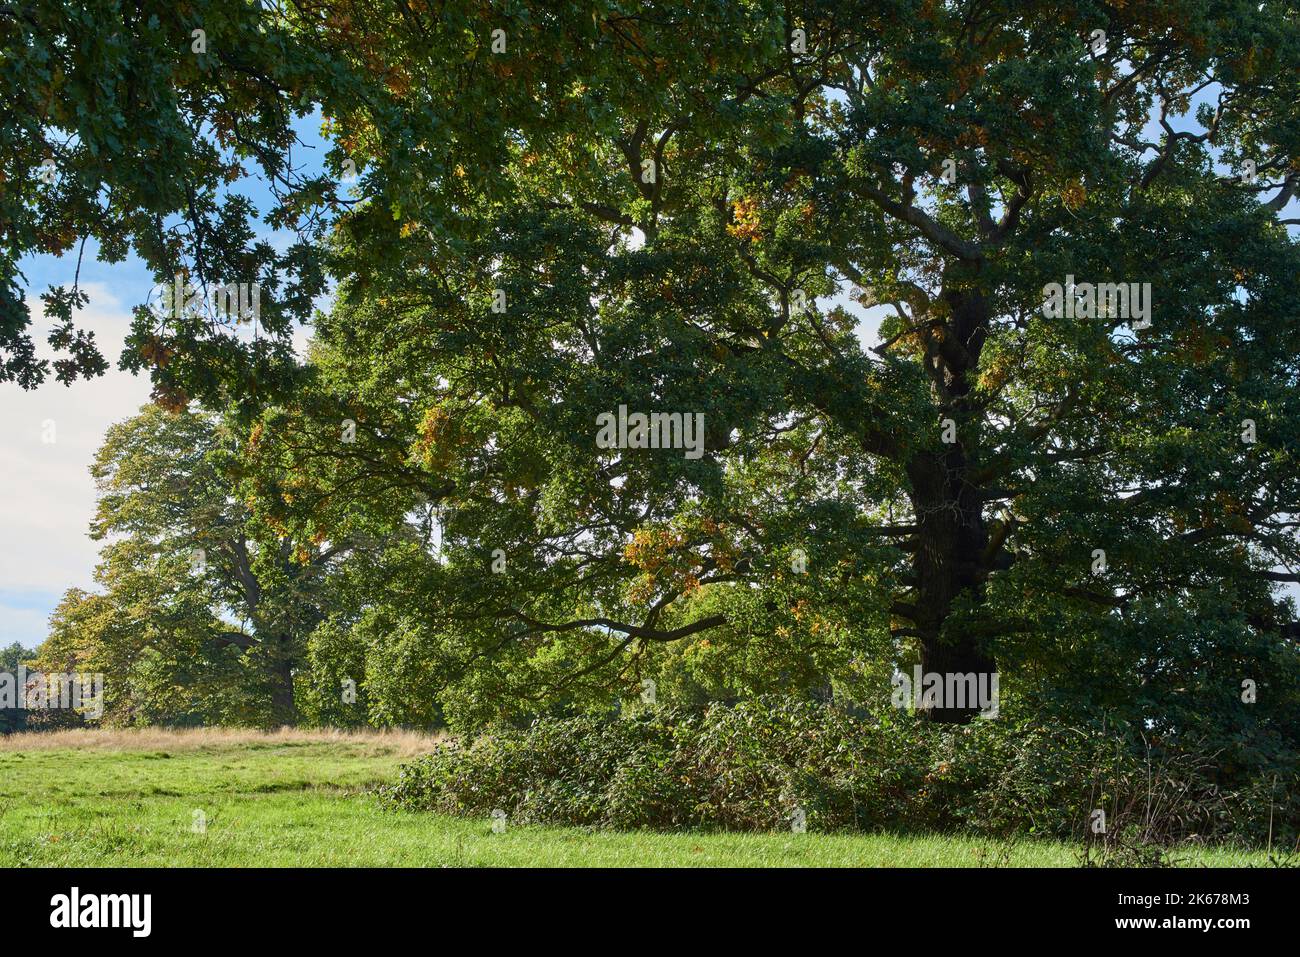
column 632, row 631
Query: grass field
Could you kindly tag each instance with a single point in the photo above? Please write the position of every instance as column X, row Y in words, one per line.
column 301, row 798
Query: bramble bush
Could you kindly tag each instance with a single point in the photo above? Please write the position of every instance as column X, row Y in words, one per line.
column 748, row 767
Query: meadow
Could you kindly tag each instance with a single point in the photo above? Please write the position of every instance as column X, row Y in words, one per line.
column 301, row 798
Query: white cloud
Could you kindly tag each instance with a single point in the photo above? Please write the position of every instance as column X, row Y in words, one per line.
column 47, row 497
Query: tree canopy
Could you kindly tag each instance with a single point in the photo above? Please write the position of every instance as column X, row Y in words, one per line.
column 205, row 611
column 567, row 210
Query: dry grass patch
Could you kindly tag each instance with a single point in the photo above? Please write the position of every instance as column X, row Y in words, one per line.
column 406, row 743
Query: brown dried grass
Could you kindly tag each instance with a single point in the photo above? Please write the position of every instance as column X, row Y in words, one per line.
column 406, row 743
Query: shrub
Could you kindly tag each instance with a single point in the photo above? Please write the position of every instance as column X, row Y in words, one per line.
column 748, row 767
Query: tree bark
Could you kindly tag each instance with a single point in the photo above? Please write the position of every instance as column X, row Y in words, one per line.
column 947, row 564
column 949, row 560
column 283, row 708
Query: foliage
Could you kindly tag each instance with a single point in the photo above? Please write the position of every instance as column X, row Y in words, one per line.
column 205, row 612
column 43, row 714
column 13, row 719
column 677, row 208
column 13, row 656
column 828, row 529
column 750, row 767
column 143, row 137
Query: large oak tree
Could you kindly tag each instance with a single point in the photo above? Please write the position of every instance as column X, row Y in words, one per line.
column 665, row 199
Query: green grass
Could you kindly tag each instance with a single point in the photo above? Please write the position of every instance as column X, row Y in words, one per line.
column 287, row 802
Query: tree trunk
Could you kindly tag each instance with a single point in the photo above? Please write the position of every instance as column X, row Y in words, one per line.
column 950, row 561
column 283, row 709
